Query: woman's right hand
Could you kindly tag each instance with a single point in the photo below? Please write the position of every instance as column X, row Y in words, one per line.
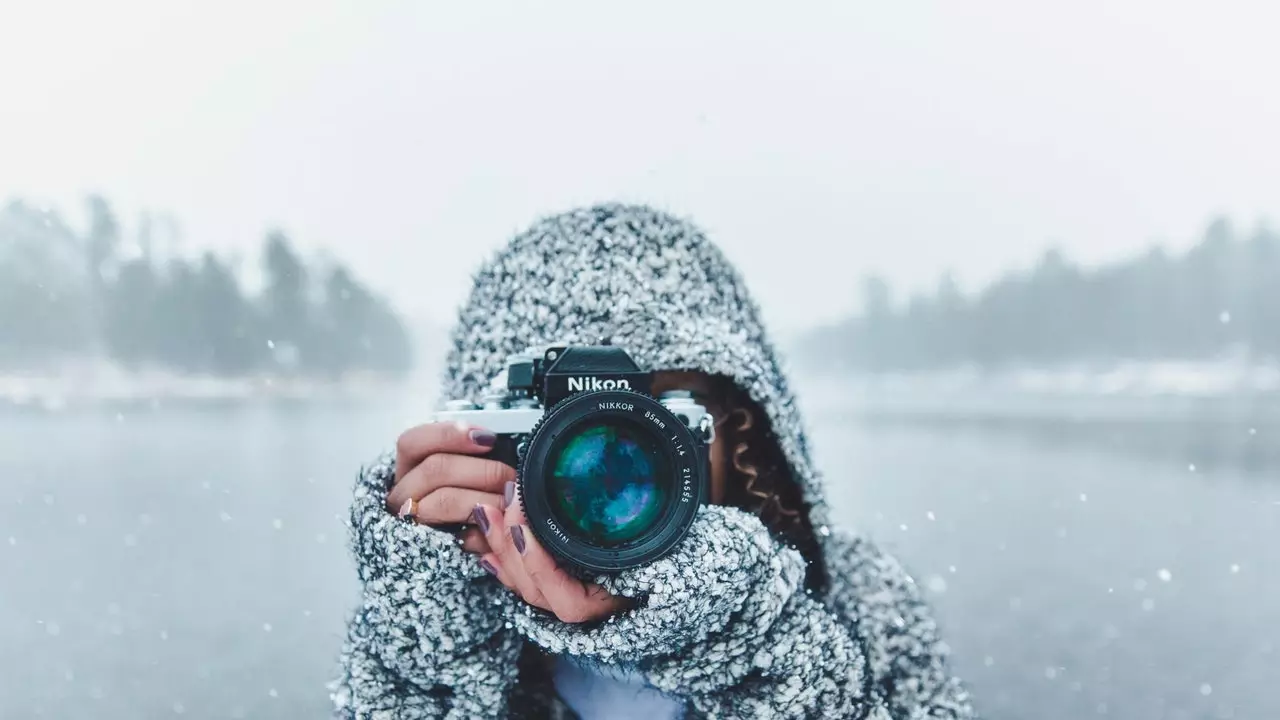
column 436, row 465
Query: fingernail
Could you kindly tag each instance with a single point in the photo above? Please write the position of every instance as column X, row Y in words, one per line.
column 483, row 438
column 517, row 537
column 481, row 519
column 508, row 494
column 488, row 567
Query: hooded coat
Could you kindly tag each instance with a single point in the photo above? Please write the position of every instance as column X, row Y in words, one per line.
column 724, row 623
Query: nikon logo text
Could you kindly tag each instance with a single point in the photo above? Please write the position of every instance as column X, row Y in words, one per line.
column 578, row 384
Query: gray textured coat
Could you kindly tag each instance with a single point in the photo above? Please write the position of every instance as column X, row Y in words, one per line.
column 724, row 623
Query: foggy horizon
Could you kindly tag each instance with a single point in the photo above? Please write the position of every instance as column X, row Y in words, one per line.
column 903, row 141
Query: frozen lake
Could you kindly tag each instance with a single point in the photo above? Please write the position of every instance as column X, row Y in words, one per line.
column 164, row 560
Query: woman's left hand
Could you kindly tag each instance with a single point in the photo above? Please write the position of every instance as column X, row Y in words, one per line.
column 524, row 566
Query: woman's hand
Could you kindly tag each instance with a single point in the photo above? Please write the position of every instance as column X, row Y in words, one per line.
column 524, row 566
column 435, row 465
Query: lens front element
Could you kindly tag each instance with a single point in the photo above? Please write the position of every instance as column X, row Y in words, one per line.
column 610, row 479
column 608, row 482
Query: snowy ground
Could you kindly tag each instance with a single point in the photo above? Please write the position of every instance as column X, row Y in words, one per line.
column 1140, row 389
column 91, row 382
column 103, row 383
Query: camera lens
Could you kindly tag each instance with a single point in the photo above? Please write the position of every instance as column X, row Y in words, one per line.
column 608, row 483
column 610, row 479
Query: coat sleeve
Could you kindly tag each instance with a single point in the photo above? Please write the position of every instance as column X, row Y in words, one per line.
column 878, row 599
column 724, row 624
column 427, row 639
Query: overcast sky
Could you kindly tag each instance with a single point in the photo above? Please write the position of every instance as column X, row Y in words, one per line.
column 816, row 142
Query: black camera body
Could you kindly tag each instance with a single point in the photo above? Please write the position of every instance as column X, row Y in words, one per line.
column 609, row 476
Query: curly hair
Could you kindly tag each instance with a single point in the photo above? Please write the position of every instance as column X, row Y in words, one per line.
column 761, row 481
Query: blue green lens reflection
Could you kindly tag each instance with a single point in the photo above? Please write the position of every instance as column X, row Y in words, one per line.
column 604, row 484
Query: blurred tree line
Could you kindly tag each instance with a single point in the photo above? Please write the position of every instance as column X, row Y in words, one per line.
column 1222, row 295
column 67, row 294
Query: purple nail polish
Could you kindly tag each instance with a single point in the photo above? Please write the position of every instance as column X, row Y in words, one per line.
column 483, row 438
column 481, row 519
column 488, row 567
column 508, row 495
column 517, row 538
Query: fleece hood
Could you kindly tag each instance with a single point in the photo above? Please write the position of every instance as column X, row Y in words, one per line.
column 640, row 279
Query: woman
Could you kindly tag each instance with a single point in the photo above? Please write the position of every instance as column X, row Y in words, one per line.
column 763, row 610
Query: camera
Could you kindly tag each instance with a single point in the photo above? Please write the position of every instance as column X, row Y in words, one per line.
column 610, row 477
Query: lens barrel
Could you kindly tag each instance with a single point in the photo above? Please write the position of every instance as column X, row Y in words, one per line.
column 611, row 479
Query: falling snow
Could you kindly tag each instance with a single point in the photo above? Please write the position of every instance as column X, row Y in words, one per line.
column 272, row 692
column 266, row 627
column 937, row 584
column 53, row 628
column 930, row 515
column 1084, row 497
column 1235, row 569
column 1139, row 584
column 81, row 519
column 1148, row 604
column 178, row 708
column 1164, row 575
column 224, row 516
column 1206, row 689
column 1192, row 467
column 1224, row 317
column 277, row 523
